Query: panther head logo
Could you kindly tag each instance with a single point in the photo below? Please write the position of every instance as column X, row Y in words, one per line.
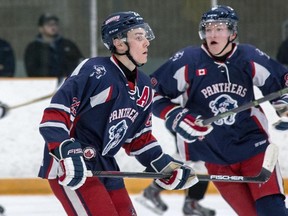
column 222, row 104
column 99, row 71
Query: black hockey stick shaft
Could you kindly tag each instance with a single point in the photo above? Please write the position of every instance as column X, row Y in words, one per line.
column 254, row 103
column 217, row 178
column 269, row 162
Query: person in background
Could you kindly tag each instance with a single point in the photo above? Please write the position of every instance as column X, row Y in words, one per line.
column 7, row 59
column 50, row 54
column 103, row 106
column 282, row 53
column 201, row 82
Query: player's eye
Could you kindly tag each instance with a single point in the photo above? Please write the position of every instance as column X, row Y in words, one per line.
column 140, row 37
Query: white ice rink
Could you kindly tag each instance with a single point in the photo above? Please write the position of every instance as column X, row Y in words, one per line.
column 48, row 205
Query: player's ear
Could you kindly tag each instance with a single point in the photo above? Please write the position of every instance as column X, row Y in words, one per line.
column 119, row 45
column 233, row 36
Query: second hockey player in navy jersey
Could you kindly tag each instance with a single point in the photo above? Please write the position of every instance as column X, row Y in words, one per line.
column 201, row 82
column 103, row 106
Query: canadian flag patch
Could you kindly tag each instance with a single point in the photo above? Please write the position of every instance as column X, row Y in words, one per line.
column 201, row 72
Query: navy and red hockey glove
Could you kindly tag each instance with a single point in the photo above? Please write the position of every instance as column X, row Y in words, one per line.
column 72, row 168
column 3, row 109
column 182, row 176
column 186, row 125
column 281, row 107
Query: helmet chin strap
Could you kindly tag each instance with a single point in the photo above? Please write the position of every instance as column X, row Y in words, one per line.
column 228, row 41
column 132, row 59
column 127, row 53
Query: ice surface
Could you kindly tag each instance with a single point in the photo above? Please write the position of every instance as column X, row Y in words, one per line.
column 48, row 205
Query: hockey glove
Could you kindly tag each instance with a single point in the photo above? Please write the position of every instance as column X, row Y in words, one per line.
column 72, row 169
column 186, row 125
column 3, row 109
column 281, row 106
column 182, row 176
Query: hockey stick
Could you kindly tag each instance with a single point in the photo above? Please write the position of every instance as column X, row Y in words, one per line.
column 268, row 97
column 269, row 162
column 60, row 81
column 31, row 101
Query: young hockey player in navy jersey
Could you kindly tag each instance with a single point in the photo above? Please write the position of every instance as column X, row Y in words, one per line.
column 104, row 105
column 201, row 82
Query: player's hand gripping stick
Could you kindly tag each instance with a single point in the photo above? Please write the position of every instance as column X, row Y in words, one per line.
column 186, row 125
column 72, row 169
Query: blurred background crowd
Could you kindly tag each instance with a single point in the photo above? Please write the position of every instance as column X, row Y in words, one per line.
column 175, row 23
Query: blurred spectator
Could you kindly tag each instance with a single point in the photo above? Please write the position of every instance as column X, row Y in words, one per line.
column 7, row 60
column 282, row 54
column 51, row 55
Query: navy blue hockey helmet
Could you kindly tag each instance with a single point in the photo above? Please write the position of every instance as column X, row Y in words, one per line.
column 118, row 24
column 219, row 13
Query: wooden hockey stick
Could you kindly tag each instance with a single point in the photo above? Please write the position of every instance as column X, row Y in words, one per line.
column 31, row 101
column 60, row 81
column 254, row 103
column 270, row 160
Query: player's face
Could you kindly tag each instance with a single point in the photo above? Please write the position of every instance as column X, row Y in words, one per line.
column 138, row 43
column 217, row 35
column 50, row 29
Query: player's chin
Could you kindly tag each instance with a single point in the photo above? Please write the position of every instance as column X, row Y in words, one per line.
column 143, row 60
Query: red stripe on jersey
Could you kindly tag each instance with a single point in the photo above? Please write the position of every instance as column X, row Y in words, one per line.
column 253, row 69
column 139, row 142
column 165, row 111
column 56, row 115
column 186, row 74
column 109, row 94
column 53, row 145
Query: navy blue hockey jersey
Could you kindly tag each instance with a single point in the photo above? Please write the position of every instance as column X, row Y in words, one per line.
column 192, row 78
column 96, row 107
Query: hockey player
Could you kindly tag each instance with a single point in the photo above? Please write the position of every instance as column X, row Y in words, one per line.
column 212, row 79
column 104, row 105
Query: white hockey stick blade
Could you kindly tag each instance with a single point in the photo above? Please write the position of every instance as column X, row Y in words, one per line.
column 270, row 158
